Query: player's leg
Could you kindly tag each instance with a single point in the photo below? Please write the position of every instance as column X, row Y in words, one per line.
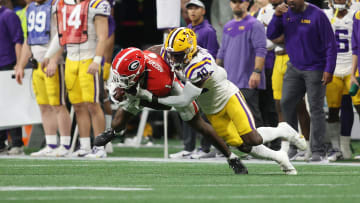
column 72, row 81
column 253, row 139
column 347, row 121
column 90, row 90
column 334, row 92
column 106, row 73
column 55, row 87
column 263, row 134
column 218, row 125
column 199, row 124
column 48, row 116
column 118, row 127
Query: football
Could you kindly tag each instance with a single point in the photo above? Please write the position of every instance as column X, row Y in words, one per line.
column 119, row 94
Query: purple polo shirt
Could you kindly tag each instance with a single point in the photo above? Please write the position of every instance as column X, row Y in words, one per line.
column 206, row 37
column 10, row 34
column 242, row 41
column 309, row 38
column 355, row 38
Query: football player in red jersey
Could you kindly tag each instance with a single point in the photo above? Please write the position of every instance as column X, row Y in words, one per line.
column 133, row 70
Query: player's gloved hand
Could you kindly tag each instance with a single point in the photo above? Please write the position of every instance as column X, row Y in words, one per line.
column 144, row 94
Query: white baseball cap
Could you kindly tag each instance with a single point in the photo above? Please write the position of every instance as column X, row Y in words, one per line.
column 196, row 3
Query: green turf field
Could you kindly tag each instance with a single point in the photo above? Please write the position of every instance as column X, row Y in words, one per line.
column 152, row 179
column 62, row 180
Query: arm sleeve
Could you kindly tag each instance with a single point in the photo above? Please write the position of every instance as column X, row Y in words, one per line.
column 258, row 39
column 15, row 30
column 327, row 36
column 54, row 47
column 189, row 94
column 275, row 27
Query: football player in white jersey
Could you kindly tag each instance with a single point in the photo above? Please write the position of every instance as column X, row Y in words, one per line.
column 341, row 18
column 48, row 82
column 220, row 100
column 83, row 28
column 133, row 68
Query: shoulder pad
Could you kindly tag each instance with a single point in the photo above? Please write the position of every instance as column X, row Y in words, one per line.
column 199, row 70
column 102, row 7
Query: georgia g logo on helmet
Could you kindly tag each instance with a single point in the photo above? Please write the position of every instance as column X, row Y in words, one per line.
column 134, row 65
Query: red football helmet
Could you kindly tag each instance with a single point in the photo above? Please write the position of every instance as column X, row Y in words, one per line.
column 127, row 67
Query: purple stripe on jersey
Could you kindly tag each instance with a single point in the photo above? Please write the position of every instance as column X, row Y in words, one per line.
column 248, row 114
column 187, row 71
column 92, row 3
column 191, row 73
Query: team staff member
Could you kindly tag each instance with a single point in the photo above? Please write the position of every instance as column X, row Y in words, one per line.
column 311, row 46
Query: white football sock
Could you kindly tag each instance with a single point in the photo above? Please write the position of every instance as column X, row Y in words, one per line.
column 51, row 140
column 65, row 140
column 108, row 119
column 269, row 133
column 85, row 143
column 262, row 151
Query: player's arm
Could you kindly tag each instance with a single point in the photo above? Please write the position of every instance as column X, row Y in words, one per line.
column 155, row 49
column 154, row 105
column 186, row 95
column 354, row 47
column 354, row 69
column 102, row 29
column 255, row 77
column 54, row 48
column 53, row 63
column 21, row 63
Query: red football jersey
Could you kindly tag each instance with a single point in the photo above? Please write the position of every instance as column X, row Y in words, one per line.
column 159, row 75
column 72, row 22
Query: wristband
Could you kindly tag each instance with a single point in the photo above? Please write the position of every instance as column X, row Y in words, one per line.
column 97, row 59
column 257, row 70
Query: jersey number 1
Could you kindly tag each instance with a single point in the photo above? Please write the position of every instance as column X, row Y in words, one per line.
column 74, row 18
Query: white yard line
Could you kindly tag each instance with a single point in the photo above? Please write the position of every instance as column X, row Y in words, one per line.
column 210, row 160
column 181, row 197
column 55, row 188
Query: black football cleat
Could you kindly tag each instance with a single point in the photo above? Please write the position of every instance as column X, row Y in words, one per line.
column 237, row 166
column 104, row 138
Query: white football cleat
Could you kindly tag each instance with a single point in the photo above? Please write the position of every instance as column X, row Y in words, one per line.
column 97, row 152
column 181, row 155
column 60, row 151
column 46, row 151
column 80, row 153
column 200, row 154
column 294, row 137
column 14, row 151
column 109, row 148
column 285, row 164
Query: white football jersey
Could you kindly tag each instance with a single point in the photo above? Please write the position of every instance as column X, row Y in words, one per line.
column 343, row 31
column 218, row 88
column 265, row 15
column 87, row 49
column 355, row 5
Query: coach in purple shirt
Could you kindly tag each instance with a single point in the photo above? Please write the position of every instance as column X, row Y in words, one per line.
column 205, row 33
column 311, row 45
column 11, row 38
column 242, row 53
